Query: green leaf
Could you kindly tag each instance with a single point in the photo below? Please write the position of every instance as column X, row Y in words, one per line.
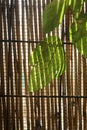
column 78, row 34
column 76, row 7
column 47, row 62
column 53, row 14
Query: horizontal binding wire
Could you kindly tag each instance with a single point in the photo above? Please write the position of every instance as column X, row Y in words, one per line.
column 43, row 96
column 30, row 41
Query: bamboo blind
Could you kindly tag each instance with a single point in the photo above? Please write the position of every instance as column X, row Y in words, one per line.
column 62, row 105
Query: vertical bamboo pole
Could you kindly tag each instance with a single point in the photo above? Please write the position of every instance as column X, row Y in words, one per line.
column 40, row 37
column 11, row 74
column 13, row 88
column 69, row 85
column 64, row 87
column 31, row 32
column 25, row 61
column 36, row 101
column 48, row 109
column 79, row 91
column 20, row 105
column 85, row 89
column 48, row 100
column 1, row 67
column 75, row 118
column 16, row 68
column 29, row 21
column 52, row 106
column 9, row 65
column 56, row 104
column 85, row 93
column 4, row 26
column 16, row 86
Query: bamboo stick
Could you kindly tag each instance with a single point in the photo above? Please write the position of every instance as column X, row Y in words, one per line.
column 16, row 86
column 75, row 118
column 69, row 85
column 1, row 68
column 36, row 101
column 25, row 61
column 14, row 72
column 31, row 32
column 42, row 113
column 79, row 91
column 5, row 110
column 85, row 93
column 64, row 88
column 16, row 68
column 12, row 115
column 20, row 67
column 9, row 66
column 52, row 105
column 49, row 123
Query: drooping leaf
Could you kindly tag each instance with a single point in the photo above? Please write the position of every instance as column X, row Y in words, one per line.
column 53, row 14
column 78, row 34
column 47, row 61
column 76, row 7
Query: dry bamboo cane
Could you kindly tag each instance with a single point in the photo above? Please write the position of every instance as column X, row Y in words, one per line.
column 56, row 105
column 64, row 105
column 71, row 67
column 36, row 101
column 85, row 89
column 14, row 121
column 42, row 92
column 48, row 100
column 64, row 90
column 1, row 69
column 20, row 105
column 85, row 93
column 52, row 105
column 69, row 85
column 25, row 69
column 49, row 125
column 11, row 71
column 79, row 91
column 9, row 66
column 75, row 118
column 2, row 84
column 15, row 70
column 42, row 110
column 16, row 86
column 31, row 32
column 6, row 119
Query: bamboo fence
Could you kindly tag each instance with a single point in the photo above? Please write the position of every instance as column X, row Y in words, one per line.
column 62, row 105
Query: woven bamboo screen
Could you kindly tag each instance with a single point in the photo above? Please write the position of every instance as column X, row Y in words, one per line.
column 62, row 105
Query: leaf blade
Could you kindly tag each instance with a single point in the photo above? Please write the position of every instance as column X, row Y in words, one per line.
column 44, row 69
